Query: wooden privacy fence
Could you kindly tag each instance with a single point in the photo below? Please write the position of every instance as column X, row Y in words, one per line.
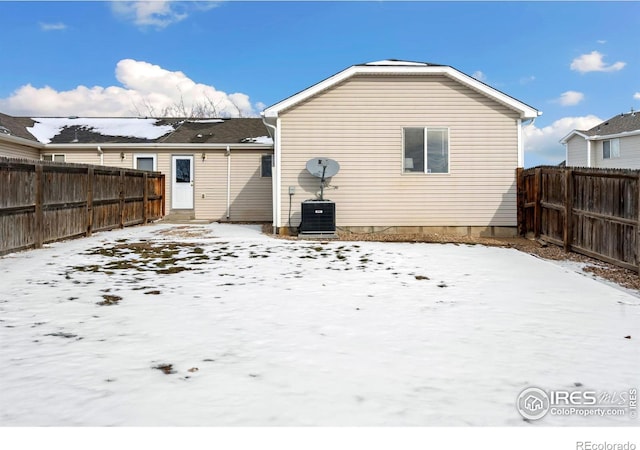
column 595, row 212
column 43, row 202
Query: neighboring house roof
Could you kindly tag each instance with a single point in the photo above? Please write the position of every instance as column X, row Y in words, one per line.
column 622, row 123
column 132, row 130
column 397, row 67
column 618, row 126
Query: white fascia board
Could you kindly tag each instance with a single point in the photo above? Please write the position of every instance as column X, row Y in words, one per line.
column 526, row 111
column 142, row 147
column 22, row 141
column 614, row 136
column 572, row 134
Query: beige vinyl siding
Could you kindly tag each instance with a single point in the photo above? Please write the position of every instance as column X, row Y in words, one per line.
column 15, row 150
column 80, row 157
column 577, row 152
column 251, row 197
column 250, row 194
column 360, row 124
column 629, row 154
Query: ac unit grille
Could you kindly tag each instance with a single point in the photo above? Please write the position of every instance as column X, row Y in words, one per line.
column 318, row 217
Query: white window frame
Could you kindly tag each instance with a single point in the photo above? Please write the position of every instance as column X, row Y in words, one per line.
column 145, row 155
column 426, row 169
column 53, row 157
column 614, row 148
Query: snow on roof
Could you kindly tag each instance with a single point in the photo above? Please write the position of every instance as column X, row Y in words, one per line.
column 258, row 140
column 395, row 62
column 46, row 128
column 205, row 120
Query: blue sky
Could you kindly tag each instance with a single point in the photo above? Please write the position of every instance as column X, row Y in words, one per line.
column 577, row 62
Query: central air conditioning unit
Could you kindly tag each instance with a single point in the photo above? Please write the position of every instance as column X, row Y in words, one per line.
column 318, row 217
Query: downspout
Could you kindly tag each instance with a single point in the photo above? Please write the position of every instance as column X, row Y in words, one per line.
column 101, row 153
column 275, row 181
column 228, row 154
column 588, row 153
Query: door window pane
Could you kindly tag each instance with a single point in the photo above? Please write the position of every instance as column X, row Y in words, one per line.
column 183, row 171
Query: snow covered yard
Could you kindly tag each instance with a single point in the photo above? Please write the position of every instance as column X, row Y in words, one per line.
column 220, row 325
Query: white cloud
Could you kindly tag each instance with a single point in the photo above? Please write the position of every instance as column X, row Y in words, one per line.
column 527, row 80
column 592, row 62
column 146, row 90
column 52, row 26
column 480, row 76
column 542, row 145
column 570, row 98
column 636, row 96
column 158, row 13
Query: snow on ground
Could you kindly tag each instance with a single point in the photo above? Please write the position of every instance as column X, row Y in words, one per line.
column 220, row 325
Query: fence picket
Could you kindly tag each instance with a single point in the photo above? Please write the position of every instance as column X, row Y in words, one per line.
column 595, row 212
column 46, row 201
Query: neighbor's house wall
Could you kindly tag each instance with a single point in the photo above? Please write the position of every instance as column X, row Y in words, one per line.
column 360, row 124
column 629, row 154
column 17, row 150
column 577, row 152
column 250, row 194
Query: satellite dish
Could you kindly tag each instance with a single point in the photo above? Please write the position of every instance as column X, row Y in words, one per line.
column 322, row 168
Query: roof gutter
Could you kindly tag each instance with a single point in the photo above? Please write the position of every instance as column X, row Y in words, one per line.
column 21, row 141
column 613, row 136
column 159, row 146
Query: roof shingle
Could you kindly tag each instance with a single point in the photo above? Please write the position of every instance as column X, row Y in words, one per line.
column 622, row 123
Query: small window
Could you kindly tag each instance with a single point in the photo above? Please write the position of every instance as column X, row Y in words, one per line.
column 426, row 150
column 267, row 161
column 611, row 149
column 53, row 157
column 145, row 162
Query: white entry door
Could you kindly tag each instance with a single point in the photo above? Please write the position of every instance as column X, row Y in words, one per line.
column 182, row 182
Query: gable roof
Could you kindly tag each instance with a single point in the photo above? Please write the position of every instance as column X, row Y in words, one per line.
column 618, row 126
column 135, row 130
column 397, row 67
column 622, row 123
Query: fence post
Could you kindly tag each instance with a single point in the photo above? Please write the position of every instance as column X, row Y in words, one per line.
column 39, row 216
column 537, row 195
column 568, row 209
column 121, row 199
column 145, row 199
column 520, row 199
column 164, row 194
column 90, row 174
column 638, row 225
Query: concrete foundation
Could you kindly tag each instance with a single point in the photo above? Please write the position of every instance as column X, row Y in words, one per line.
column 469, row 231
